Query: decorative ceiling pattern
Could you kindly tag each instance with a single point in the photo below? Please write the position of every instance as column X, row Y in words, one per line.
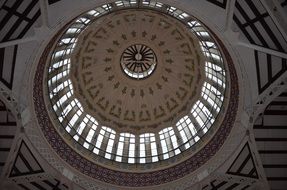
column 270, row 132
column 46, row 184
column 244, row 165
column 259, row 28
column 16, row 19
column 218, row 185
column 7, row 133
column 269, row 68
column 270, row 128
column 138, row 179
column 103, row 139
column 25, row 163
column 228, row 183
column 118, row 101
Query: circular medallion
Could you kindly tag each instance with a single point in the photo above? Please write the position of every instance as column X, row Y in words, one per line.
column 138, row 61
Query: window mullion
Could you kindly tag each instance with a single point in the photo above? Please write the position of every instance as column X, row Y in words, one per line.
column 115, row 147
column 178, row 138
column 85, row 133
column 126, row 149
column 199, row 131
column 104, row 144
column 209, row 107
column 158, row 143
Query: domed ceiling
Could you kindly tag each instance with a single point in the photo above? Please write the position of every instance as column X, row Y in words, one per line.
column 142, row 94
column 134, row 87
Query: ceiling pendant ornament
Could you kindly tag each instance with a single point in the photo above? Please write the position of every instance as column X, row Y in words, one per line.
column 138, row 61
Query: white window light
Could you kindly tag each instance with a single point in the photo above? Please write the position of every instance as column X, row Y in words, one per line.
column 81, row 128
column 110, row 145
column 90, row 135
column 133, row 1
column 99, row 140
column 119, row 3
column 74, row 119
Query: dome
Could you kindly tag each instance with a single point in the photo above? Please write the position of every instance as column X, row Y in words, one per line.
column 131, row 88
column 143, row 94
